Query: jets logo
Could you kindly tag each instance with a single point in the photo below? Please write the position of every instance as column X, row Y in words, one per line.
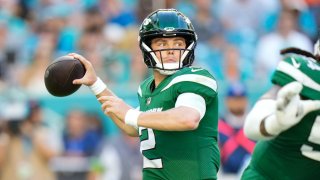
column 169, row 28
column 146, row 21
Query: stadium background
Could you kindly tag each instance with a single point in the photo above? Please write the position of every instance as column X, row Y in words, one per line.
column 239, row 42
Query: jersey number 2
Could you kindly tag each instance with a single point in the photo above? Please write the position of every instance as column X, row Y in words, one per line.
column 148, row 144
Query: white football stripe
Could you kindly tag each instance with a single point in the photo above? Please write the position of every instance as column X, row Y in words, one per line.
column 310, row 153
column 298, row 75
column 211, row 83
column 155, row 163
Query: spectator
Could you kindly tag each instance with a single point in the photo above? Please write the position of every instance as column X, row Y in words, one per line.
column 206, row 22
column 235, row 67
column 29, row 148
column 234, row 146
column 81, row 143
column 32, row 76
column 306, row 21
column 120, row 158
column 77, row 139
column 95, row 129
column 238, row 15
column 269, row 46
column 314, row 6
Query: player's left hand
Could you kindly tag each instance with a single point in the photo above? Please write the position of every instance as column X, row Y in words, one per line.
column 114, row 105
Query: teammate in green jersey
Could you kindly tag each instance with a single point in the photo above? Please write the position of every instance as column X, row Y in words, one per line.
column 178, row 113
column 286, row 120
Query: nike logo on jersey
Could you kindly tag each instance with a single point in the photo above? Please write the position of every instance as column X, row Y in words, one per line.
column 195, row 70
column 295, row 64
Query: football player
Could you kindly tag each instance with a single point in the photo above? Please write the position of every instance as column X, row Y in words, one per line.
column 178, row 113
column 286, row 121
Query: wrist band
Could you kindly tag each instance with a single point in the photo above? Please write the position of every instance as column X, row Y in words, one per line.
column 131, row 117
column 98, row 86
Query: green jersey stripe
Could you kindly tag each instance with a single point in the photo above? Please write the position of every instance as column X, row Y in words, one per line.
column 206, row 81
column 292, row 71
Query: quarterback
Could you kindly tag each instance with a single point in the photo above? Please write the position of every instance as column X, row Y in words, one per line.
column 286, row 121
column 178, row 113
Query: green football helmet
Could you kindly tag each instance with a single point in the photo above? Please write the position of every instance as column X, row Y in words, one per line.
column 167, row 23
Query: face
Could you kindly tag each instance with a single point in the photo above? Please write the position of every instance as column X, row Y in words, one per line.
column 36, row 115
column 169, row 56
column 287, row 22
column 76, row 123
column 237, row 105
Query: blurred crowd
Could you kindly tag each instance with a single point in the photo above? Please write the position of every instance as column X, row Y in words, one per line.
column 43, row 137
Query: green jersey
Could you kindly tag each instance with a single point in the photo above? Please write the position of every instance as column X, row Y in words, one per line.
column 295, row 153
column 187, row 155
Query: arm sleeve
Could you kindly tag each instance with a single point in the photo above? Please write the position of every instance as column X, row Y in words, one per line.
column 192, row 100
column 261, row 110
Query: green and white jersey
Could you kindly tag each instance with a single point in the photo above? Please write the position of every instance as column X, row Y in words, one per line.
column 295, row 153
column 302, row 69
column 187, row 155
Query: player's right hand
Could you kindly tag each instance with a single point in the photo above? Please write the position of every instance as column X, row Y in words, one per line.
column 90, row 76
column 290, row 109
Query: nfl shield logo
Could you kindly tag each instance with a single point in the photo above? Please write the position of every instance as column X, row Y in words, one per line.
column 148, row 101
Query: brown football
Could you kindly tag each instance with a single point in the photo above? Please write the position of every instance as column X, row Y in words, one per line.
column 60, row 74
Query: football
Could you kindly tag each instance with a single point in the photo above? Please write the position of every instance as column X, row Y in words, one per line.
column 60, row 73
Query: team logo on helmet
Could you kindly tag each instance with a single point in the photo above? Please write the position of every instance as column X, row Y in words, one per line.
column 169, row 28
column 146, row 21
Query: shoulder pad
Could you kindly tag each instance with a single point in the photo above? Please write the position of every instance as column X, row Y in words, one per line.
column 304, row 69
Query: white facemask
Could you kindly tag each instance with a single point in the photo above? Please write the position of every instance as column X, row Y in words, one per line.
column 169, row 67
